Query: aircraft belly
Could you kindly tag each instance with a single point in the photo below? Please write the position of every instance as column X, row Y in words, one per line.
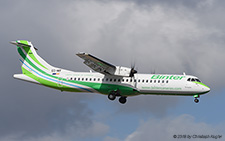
column 167, row 92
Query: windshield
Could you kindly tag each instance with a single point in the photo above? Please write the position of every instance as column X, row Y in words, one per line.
column 194, row 79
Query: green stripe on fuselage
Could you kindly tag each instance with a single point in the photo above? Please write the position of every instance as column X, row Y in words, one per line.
column 200, row 83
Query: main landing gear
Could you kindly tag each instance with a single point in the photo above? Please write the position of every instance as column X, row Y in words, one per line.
column 113, row 94
column 196, row 100
column 123, row 99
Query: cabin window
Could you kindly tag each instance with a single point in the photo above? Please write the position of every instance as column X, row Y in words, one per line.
column 90, row 79
column 146, row 81
column 82, row 79
column 118, row 80
column 162, row 81
column 135, row 80
column 110, row 80
column 167, row 81
column 131, row 80
column 154, row 81
column 114, row 80
column 143, row 81
column 150, row 81
column 139, row 80
column 158, row 81
column 78, row 79
column 127, row 80
column 86, row 79
column 74, row 78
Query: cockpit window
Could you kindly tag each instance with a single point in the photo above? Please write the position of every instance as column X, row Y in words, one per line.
column 193, row 79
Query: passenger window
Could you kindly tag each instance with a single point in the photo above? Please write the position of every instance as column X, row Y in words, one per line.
column 90, row 79
column 167, row 81
column 135, row 80
column 158, row 81
column 106, row 79
column 114, row 80
column 86, row 79
column 98, row 79
column 146, row 81
column 127, row 80
column 82, row 79
column 162, row 81
column 122, row 80
column 154, row 81
column 139, row 80
column 143, row 81
column 150, row 81
column 94, row 79
column 78, row 79
column 110, row 80
column 131, row 80
column 74, row 78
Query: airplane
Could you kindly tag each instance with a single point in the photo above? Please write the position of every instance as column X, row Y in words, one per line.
column 113, row 81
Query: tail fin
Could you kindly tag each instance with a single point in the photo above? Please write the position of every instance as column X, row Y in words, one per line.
column 29, row 58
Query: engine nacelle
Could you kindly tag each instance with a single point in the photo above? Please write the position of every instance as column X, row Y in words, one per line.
column 122, row 71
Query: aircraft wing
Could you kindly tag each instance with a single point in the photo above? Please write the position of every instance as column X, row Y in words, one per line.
column 103, row 67
column 97, row 64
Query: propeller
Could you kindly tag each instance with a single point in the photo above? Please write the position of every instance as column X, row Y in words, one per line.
column 132, row 71
column 153, row 71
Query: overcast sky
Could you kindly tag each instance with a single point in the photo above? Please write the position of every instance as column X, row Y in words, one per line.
column 166, row 36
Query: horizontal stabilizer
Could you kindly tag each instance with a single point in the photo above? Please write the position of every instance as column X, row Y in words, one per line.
column 25, row 78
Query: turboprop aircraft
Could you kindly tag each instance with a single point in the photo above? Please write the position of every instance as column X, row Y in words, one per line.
column 108, row 79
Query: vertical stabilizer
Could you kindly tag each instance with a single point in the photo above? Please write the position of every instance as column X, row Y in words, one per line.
column 29, row 58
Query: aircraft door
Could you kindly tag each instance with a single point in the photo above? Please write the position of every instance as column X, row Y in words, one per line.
column 60, row 82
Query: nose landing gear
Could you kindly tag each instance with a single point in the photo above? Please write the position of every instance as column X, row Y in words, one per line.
column 196, row 100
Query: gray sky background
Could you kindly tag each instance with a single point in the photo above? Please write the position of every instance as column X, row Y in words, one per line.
column 167, row 36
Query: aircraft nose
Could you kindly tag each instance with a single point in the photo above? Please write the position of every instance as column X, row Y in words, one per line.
column 206, row 89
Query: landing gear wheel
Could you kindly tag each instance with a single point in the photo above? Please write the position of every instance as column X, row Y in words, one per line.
column 196, row 100
column 123, row 100
column 112, row 96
